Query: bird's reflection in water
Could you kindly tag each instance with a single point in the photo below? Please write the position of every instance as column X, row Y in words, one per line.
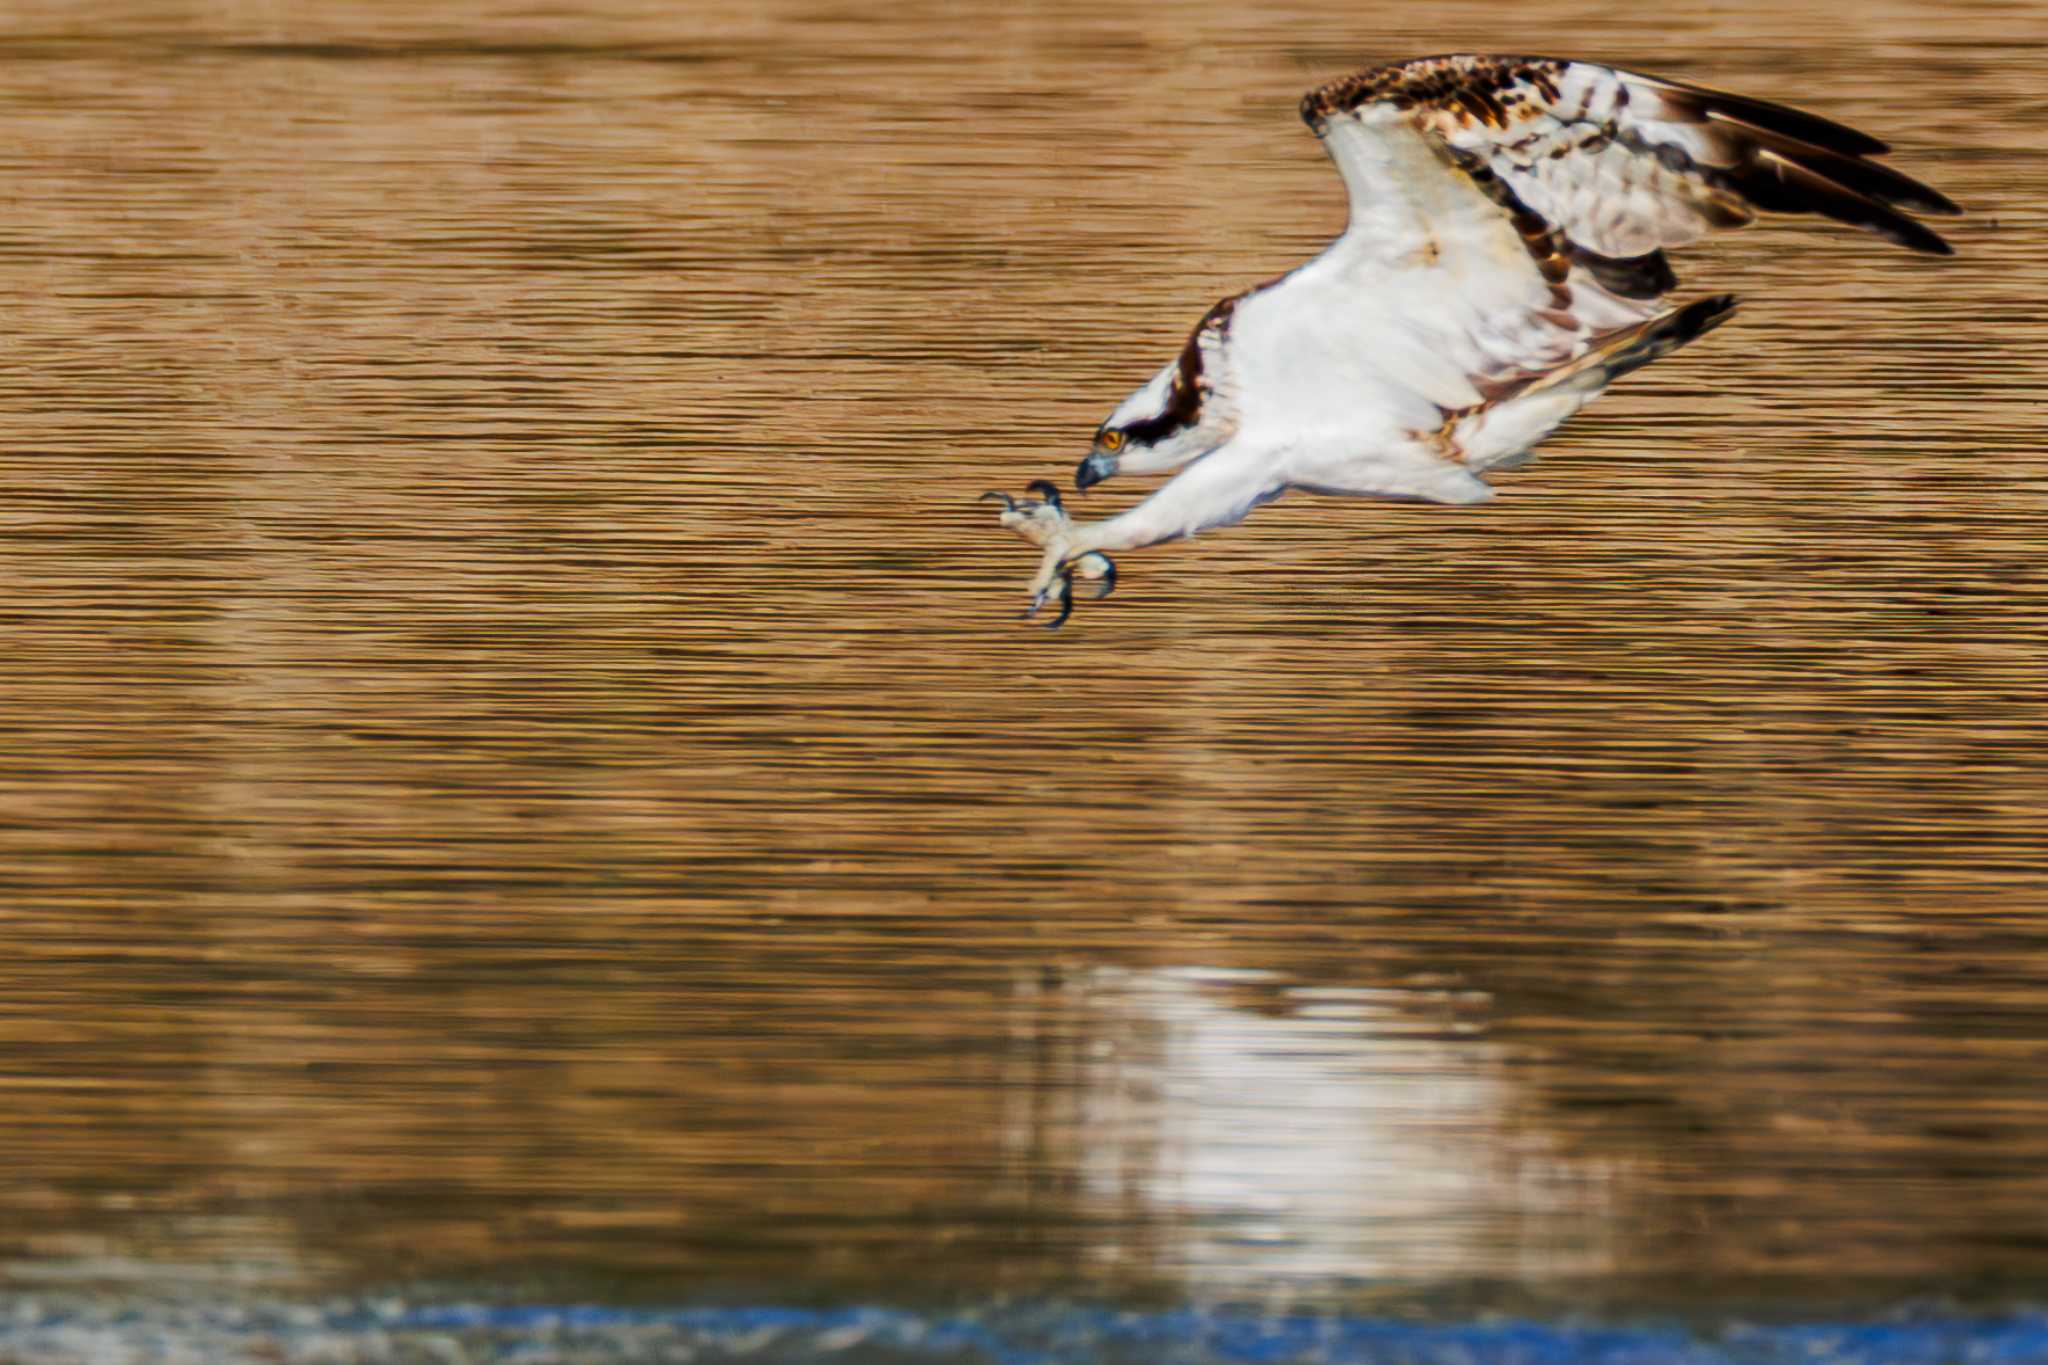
column 1234, row 1127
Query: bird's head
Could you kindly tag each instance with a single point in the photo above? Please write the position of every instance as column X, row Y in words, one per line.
column 1142, row 445
column 1152, row 431
column 1104, row 460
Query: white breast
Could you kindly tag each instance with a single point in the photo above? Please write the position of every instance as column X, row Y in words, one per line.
column 1380, row 348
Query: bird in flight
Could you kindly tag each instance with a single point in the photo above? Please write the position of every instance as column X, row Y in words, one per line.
column 1503, row 264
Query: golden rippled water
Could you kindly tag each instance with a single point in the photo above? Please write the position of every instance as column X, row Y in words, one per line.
column 518, row 758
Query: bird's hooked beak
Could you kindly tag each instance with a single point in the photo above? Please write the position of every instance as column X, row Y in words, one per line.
column 1094, row 470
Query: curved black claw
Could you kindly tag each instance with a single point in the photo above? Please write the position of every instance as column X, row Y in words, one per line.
column 1046, row 489
column 1009, row 503
column 1106, row 584
column 1066, row 600
column 1063, row 588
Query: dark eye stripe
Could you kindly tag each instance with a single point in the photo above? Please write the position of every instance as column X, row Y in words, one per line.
column 1190, row 385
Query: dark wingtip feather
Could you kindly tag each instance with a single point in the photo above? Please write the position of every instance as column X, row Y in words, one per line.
column 1776, row 118
column 1871, row 179
column 1778, row 184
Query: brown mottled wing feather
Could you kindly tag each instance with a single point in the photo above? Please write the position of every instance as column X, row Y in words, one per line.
column 1623, row 165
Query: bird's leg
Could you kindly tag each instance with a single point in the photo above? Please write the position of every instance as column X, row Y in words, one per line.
column 1216, row 490
column 1051, row 565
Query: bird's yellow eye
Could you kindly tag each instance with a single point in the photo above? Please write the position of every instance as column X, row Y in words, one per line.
column 1112, row 440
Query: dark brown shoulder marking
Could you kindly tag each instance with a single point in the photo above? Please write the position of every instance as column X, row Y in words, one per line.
column 1477, row 88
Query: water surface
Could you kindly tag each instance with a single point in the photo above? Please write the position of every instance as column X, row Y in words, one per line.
column 518, row 762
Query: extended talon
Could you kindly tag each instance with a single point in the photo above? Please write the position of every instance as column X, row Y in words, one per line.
column 1096, row 567
column 1061, row 587
column 1047, row 490
column 1009, row 503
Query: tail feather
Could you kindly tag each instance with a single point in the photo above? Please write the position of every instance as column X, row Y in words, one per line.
column 1660, row 336
column 1499, row 435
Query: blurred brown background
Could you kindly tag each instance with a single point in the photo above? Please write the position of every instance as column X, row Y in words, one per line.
column 517, row 757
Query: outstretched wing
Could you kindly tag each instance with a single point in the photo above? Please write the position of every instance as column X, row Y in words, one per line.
column 1614, row 165
column 1512, row 214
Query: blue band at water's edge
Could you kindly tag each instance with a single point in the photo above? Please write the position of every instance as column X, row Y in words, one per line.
column 1020, row 1335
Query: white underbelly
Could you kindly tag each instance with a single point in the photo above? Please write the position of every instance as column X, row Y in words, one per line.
column 1393, row 351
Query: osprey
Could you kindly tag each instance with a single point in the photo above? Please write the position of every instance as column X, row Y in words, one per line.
column 1503, row 264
